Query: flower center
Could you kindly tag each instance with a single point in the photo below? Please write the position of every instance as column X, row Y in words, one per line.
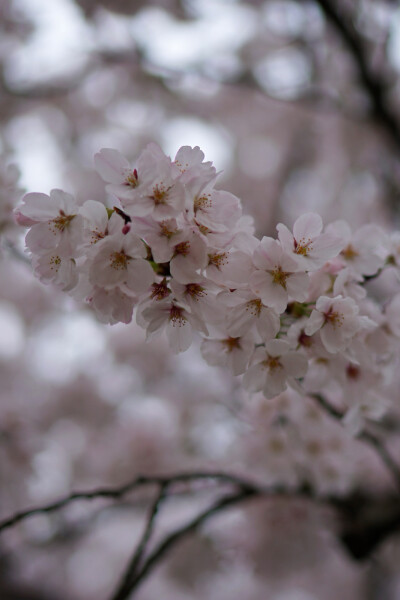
column 119, row 260
column 195, row 291
column 202, row 203
column 279, row 276
column 55, row 262
column 176, row 316
column 167, row 229
column 159, row 194
column 182, row 248
column 202, row 228
column 63, row 221
column 160, row 290
column 303, row 246
column 305, row 340
column 272, row 363
column 254, row 306
column 131, row 179
column 352, row 371
column 232, row 344
column 218, row 260
column 334, row 318
column 349, row 253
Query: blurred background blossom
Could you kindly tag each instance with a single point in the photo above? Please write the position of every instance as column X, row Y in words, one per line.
column 297, row 103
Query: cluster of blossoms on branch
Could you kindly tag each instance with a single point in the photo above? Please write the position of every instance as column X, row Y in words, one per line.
column 287, row 311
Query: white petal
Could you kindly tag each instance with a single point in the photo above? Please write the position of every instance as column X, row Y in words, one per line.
column 307, row 226
column 111, row 165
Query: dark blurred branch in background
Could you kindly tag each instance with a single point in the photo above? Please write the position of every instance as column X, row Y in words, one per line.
column 364, row 521
column 374, row 86
column 365, row 436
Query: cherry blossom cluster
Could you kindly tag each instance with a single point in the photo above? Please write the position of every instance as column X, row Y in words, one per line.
column 287, row 311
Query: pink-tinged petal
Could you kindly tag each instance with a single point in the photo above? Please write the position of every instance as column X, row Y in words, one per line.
column 276, row 383
column 272, row 294
column 38, row 207
column 285, row 237
column 296, row 364
column 267, row 254
column 22, row 220
column 268, row 324
column 332, row 339
column 183, row 270
column 327, row 246
column 180, row 335
column 254, row 378
column 297, row 286
column 134, row 246
column 111, row 165
column 353, row 420
column 112, row 306
column 234, row 270
column 212, row 352
column 42, row 237
column 187, row 157
column 64, row 201
column 314, row 323
column 95, row 213
column 155, row 317
column 241, row 320
column 139, row 276
column 324, row 303
column 239, row 361
column 340, row 229
column 308, row 226
column 277, row 347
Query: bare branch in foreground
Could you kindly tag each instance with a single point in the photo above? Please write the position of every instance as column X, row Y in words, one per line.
column 172, row 539
column 125, row 586
column 118, row 492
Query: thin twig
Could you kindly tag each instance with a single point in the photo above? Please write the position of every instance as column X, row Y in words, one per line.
column 125, row 586
column 119, row 492
column 364, row 436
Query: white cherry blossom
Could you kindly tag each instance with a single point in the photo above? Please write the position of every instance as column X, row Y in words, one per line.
column 189, row 255
column 178, row 323
column 56, row 222
column 338, row 319
column 119, row 261
column 229, row 351
column 245, row 310
column 273, row 367
column 53, row 267
column 363, row 250
column 277, row 277
column 309, row 247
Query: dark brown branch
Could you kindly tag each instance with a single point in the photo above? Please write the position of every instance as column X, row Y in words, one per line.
column 125, row 586
column 361, row 530
column 366, row 437
column 172, row 539
column 118, row 492
column 374, row 86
